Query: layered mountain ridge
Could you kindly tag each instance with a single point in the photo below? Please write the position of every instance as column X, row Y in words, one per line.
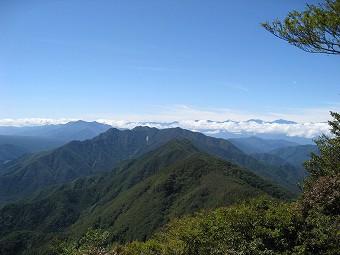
column 77, row 158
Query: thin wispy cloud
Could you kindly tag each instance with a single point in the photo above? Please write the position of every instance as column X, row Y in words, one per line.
column 157, row 69
column 305, row 114
column 87, row 45
column 236, row 87
column 56, row 42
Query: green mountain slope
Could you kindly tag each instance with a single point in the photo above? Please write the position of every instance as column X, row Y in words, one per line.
column 86, row 191
column 289, row 160
column 28, row 174
column 133, row 200
column 296, row 155
column 255, row 144
column 286, row 169
column 198, row 182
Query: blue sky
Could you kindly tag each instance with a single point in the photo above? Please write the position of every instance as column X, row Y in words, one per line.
column 158, row 60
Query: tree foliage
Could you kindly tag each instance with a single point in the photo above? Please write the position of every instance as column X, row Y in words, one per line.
column 320, row 203
column 328, row 162
column 322, row 189
column 316, row 30
column 92, row 243
column 257, row 226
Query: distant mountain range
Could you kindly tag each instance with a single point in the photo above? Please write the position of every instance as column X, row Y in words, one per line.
column 42, row 138
column 75, row 130
column 279, row 121
column 132, row 182
column 302, row 133
column 21, row 140
column 83, row 158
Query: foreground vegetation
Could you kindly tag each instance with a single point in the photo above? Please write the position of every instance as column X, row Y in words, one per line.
column 257, row 226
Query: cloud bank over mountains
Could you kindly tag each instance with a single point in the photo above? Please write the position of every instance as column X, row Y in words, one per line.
column 308, row 130
column 30, row 122
column 209, row 127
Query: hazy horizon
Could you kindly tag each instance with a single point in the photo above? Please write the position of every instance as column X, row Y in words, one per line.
column 223, row 129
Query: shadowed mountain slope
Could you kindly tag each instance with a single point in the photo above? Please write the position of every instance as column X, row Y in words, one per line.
column 32, row 143
column 9, row 152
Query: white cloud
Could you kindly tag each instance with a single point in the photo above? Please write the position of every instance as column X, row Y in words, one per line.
column 308, row 129
column 212, row 132
column 33, row 121
column 209, row 121
column 241, row 88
